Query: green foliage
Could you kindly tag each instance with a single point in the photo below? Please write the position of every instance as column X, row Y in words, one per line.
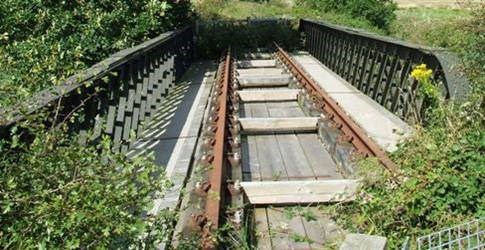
column 442, row 165
column 43, row 42
column 215, row 37
column 57, row 193
column 472, row 47
column 430, row 26
column 379, row 13
column 441, row 184
column 236, row 9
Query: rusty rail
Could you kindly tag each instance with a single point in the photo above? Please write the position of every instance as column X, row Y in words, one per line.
column 216, row 193
column 353, row 133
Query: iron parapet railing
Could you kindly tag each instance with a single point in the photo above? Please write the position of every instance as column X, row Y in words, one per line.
column 380, row 66
column 117, row 95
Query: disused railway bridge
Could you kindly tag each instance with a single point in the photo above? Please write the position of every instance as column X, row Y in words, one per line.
column 260, row 134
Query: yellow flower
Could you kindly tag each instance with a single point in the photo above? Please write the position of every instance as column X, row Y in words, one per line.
column 422, row 73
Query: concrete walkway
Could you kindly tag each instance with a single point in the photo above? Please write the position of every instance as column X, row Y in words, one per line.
column 385, row 128
column 173, row 132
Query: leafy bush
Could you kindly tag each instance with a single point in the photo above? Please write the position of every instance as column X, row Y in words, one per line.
column 57, row 193
column 379, row 13
column 43, row 42
column 216, row 36
column 441, row 184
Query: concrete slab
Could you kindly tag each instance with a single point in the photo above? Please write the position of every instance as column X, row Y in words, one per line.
column 268, row 95
column 363, row 242
column 385, row 128
column 257, row 55
column 272, row 125
column 256, row 63
column 259, row 71
column 300, row 192
column 264, row 80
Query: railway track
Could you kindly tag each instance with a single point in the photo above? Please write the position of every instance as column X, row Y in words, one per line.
column 272, row 142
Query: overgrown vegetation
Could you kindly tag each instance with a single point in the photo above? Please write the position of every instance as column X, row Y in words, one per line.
column 216, row 36
column 443, row 164
column 236, row 9
column 379, row 13
column 57, row 193
column 430, row 26
column 218, row 32
column 43, row 42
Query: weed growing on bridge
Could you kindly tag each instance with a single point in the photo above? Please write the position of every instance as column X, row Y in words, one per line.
column 427, row 90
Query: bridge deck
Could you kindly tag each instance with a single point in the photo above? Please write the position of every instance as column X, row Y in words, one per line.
column 290, row 156
column 288, row 165
column 293, row 156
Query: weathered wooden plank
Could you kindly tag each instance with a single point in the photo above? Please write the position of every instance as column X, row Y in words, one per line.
column 250, row 163
column 314, row 229
column 297, row 235
column 320, row 229
column 297, row 192
column 267, row 95
column 261, row 125
column 297, row 165
column 270, row 159
column 319, row 158
column 278, row 227
column 284, row 109
column 287, row 232
column 261, row 229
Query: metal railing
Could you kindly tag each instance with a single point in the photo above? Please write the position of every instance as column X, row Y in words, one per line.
column 380, row 66
column 117, row 95
column 470, row 236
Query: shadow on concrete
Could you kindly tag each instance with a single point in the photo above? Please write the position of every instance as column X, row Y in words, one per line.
column 163, row 131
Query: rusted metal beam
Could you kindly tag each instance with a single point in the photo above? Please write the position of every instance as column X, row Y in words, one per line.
column 216, row 193
column 363, row 143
